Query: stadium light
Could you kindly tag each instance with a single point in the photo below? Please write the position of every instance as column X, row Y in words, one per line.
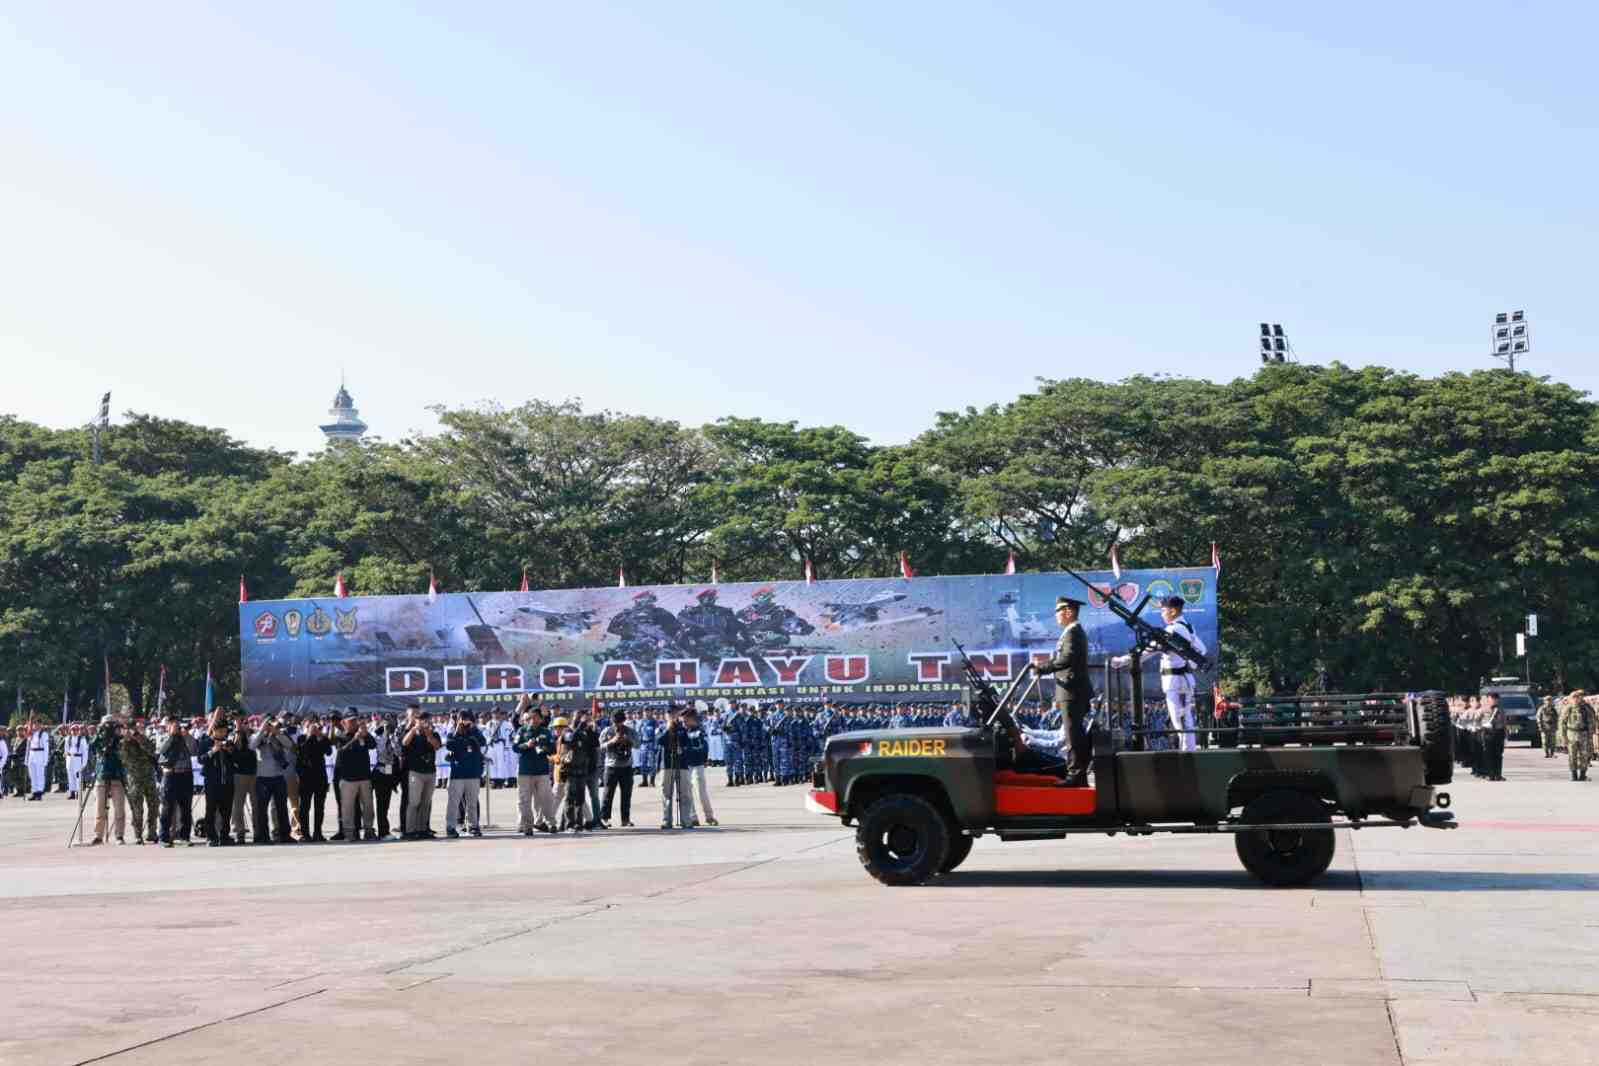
column 1274, row 346
column 1512, row 337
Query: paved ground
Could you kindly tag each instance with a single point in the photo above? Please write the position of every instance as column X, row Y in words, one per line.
column 764, row 942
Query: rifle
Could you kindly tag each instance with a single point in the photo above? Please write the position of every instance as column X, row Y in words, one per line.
column 1147, row 637
column 986, row 697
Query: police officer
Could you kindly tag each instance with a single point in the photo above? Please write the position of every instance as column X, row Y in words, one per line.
column 1072, row 687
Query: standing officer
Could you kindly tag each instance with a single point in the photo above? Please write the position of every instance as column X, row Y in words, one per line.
column 1576, row 721
column 1177, row 674
column 38, row 759
column 1548, row 725
column 1494, row 732
column 76, row 747
column 1072, row 687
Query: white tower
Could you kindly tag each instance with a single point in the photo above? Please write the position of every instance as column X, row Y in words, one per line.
column 346, row 427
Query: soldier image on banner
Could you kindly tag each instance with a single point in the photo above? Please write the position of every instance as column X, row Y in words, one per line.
column 769, row 624
column 646, row 630
column 711, row 632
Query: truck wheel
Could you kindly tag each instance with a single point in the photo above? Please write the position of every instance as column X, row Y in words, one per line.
column 902, row 839
column 960, row 846
column 1284, row 857
column 1437, row 740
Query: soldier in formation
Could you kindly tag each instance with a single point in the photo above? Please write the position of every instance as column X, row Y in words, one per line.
column 1577, row 726
column 1548, row 726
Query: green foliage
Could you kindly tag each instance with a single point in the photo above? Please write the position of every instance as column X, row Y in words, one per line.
column 1379, row 530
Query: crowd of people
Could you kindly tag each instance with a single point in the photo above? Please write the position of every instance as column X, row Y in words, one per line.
column 1566, row 724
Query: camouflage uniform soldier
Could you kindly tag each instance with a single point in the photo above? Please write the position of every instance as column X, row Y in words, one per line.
column 1548, row 725
column 1577, row 722
column 138, row 760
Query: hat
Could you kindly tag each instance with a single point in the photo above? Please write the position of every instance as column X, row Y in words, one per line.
column 107, row 719
column 561, row 721
column 1067, row 601
column 1176, row 602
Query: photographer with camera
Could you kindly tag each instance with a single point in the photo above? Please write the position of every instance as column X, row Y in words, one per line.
column 111, row 786
column 675, row 743
column 466, row 746
column 418, row 750
column 388, row 776
column 616, row 746
column 576, row 752
column 274, row 753
column 353, row 767
column 243, row 761
column 533, row 745
column 175, row 755
column 216, row 762
column 311, row 752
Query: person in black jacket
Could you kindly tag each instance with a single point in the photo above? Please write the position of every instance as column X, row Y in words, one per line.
column 576, row 754
column 674, row 741
column 311, row 757
column 216, row 762
column 353, row 767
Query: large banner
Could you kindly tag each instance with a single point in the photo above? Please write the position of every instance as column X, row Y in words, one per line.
column 868, row 639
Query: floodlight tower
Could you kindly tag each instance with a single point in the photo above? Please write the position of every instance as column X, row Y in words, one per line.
column 1512, row 336
column 1274, row 346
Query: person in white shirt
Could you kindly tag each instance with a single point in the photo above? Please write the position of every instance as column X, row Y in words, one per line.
column 1177, row 674
column 75, row 748
column 38, row 759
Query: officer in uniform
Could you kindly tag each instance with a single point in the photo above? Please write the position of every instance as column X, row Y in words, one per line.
column 1548, row 725
column 1577, row 721
column 76, row 747
column 38, row 759
column 1177, row 674
column 1073, row 690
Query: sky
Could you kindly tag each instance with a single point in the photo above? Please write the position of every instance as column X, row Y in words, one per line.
column 835, row 213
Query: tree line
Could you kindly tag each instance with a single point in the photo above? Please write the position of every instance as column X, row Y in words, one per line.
column 1379, row 530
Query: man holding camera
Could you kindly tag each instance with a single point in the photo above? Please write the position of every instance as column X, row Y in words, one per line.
column 112, row 784
column 175, row 756
column 353, row 767
column 616, row 746
column 675, row 743
column 466, row 746
column 576, row 754
column 311, row 751
column 274, row 755
column 533, row 745
column 418, row 749
column 216, row 763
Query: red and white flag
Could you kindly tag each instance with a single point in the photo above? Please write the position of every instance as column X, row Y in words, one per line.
column 716, row 578
column 161, row 691
column 433, row 588
column 1010, row 565
column 524, row 579
column 905, row 565
column 338, row 586
column 621, row 578
column 810, row 573
column 1115, row 563
column 1215, row 559
column 244, row 596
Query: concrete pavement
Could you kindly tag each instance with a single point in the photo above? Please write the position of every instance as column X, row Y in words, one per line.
column 764, row 942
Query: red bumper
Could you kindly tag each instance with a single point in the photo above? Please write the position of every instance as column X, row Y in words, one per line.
column 820, row 801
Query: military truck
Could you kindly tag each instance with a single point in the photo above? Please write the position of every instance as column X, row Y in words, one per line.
column 1295, row 772
column 1521, row 710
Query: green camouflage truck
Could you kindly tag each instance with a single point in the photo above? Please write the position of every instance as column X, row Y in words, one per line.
column 1284, row 775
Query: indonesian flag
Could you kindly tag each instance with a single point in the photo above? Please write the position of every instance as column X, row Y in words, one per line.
column 244, row 596
column 810, row 573
column 433, row 588
column 524, row 579
column 621, row 578
column 1010, row 565
column 338, row 586
column 715, row 577
column 1115, row 563
column 161, row 691
column 905, row 565
column 1215, row 559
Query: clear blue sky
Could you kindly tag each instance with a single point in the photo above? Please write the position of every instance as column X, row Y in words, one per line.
column 850, row 213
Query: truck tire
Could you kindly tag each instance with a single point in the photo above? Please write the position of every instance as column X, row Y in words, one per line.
column 1283, row 858
column 902, row 839
column 1437, row 739
column 960, row 846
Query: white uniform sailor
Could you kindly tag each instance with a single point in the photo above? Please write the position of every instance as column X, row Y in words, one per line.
column 1177, row 674
column 501, row 764
column 38, row 760
column 5, row 759
column 75, row 748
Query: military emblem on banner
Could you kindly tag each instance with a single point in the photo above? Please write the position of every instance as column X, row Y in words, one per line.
column 1160, row 590
column 319, row 624
column 346, row 620
column 292, row 620
column 1193, row 589
column 266, row 626
column 1098, row 595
